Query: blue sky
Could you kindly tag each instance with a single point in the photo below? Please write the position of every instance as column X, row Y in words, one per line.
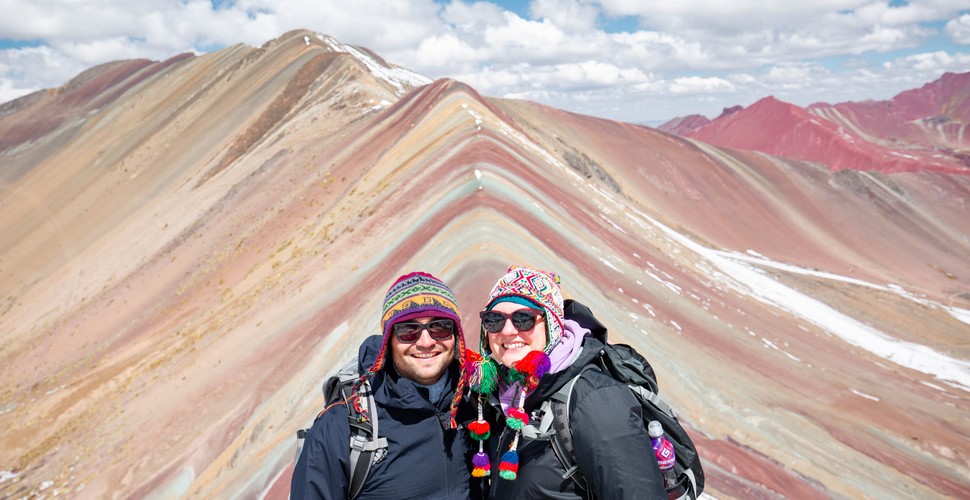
column 642, row 61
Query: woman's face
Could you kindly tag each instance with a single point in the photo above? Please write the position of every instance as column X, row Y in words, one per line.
column 510, row 345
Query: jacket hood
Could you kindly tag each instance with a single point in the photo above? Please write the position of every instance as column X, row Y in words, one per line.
column 367, row 354
column 394, row 391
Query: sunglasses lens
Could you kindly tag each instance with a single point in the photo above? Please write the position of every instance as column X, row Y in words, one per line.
column 441, row 329
column 407, row 332
column 410, row 332
column 493, row 321
column 524, row 319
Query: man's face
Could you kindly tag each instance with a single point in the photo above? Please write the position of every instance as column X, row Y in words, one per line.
column 425, row 360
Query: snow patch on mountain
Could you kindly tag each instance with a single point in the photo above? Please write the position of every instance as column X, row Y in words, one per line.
column 751, row 281
column 398, row 77
column 743, row 273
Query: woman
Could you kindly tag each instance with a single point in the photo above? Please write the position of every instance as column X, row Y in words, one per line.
column 536, row 352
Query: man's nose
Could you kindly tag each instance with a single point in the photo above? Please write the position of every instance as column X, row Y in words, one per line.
column 425, row 339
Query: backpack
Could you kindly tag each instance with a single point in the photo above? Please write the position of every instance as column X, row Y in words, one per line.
column 626, row 365
column 365, row 449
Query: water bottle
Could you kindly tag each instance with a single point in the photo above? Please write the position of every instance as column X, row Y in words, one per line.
column 663, row 450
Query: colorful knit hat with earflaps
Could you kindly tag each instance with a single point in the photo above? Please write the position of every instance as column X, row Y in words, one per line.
column 417, row 295
column 538, row 287
column 542, row 289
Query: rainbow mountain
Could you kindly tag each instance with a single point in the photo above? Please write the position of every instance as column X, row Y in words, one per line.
column 189, row 247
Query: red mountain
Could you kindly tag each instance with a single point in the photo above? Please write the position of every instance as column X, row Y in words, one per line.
column 919, row 129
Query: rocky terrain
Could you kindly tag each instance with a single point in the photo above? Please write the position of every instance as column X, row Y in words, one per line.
column 190, row 247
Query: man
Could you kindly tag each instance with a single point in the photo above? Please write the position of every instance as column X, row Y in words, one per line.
column 417, row 380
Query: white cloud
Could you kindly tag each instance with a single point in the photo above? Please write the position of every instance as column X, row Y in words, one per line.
column 653, row 50
column 474, row 16
column 7, row 92
column 959, row 29
column 494, row 81
column 441, row 53
column 524, row 40
column 751, row 33
column 592, row 74
column 701, row 56
column 696, row 84
column 570, row 15
column 930, row 62
column 794, row 72
column 29, row 69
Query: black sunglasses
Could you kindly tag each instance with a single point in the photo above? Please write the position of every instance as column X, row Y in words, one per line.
column 408, row 332
column 523, row 320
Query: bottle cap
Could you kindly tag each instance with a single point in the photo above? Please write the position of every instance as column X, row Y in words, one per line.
column 655, row 429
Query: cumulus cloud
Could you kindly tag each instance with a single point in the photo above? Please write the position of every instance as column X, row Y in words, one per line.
column 444, row 52
column 959, row 29
column 696, row 84
column 930, row 62
column 761, row 32
column 29, row 69
column 793, row 72
column 571, row 15
column 703, row 55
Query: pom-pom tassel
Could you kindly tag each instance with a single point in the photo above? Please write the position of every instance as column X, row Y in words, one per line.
column 509, row 467
column 481, row 467
column 530, row 369
column 479, row 430
column 482, row 374
column 516, row 419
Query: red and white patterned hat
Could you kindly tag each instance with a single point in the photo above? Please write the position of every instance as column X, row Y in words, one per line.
column 539, row 287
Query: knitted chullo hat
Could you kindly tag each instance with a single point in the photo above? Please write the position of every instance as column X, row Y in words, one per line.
column 538, row 287
column 417, row 295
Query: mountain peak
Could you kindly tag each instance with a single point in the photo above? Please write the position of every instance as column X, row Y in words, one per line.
column 918, row 129
column 401, row 78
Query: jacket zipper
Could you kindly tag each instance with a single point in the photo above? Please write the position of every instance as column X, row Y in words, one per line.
column 444, row 463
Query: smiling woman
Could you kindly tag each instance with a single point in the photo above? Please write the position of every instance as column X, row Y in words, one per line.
column 538, row 352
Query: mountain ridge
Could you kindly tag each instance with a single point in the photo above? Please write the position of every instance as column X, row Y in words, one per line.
column 182, row 265
column 918, row 129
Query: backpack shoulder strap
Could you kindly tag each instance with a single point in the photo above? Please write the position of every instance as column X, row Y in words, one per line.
column 366, row 447
column 562, row 439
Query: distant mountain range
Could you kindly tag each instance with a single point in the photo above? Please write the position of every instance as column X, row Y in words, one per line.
column 919, row 129
column 189, row 247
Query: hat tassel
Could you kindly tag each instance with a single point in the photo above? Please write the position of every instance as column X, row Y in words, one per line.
column 509, row 467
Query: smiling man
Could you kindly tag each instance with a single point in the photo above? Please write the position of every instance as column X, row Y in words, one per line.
column 417, row 381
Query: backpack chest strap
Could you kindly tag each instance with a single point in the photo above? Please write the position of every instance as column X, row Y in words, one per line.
column 544, row 430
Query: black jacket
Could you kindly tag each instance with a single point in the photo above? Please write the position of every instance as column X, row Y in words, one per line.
column 612, row 446
column 425, row 458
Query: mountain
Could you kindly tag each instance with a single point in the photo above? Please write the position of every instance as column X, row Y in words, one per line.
column 921, row 129
column 189, row 247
